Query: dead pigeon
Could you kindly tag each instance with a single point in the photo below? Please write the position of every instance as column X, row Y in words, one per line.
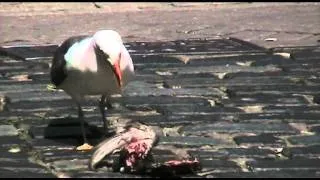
column 135, row 144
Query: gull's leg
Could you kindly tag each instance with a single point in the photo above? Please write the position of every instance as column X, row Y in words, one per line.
column 80, row 116
column 85, row 145
column 108, row 104
column 102, row 110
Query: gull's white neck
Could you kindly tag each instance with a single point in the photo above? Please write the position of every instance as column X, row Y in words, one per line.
column 81, row 56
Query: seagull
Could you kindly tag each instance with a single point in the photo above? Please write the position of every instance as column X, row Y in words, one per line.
column 92, row 65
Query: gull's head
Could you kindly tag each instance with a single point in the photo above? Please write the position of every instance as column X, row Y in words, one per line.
column 110, row 43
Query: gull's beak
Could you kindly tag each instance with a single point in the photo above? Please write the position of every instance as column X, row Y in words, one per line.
column 117, row 72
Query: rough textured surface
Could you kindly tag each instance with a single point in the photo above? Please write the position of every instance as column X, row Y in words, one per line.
column 292, row 24
column 239, row 107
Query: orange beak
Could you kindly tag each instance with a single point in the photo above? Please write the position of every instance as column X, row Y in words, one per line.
column 118, row 73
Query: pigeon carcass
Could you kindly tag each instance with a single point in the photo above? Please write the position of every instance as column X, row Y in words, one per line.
column 134, row 144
